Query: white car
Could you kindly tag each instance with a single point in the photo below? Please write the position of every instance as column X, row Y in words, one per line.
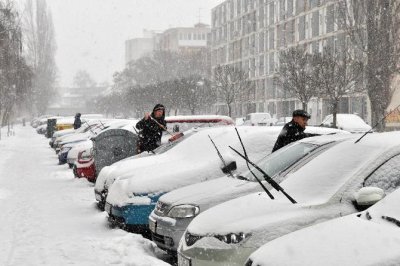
column 349, row 122
column 371, row 237
column 176, row 209
column 323, row 188
column 259, row 119
column 132, row 197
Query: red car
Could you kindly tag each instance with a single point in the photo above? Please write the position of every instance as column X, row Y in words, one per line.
column 84, row 166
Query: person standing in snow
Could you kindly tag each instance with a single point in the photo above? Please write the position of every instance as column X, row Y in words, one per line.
column 77, row 122
column 293, row 130
column 151, row 128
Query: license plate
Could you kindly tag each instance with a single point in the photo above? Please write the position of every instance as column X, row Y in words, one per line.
column 183, row 260
column 98, row 197
column 153, row 226
column 107, row 208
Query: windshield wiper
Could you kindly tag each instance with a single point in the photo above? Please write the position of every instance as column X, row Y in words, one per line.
column 240, row 177
column 380, row 121
column 392, row 220
column 266, row 177
column 247, row 163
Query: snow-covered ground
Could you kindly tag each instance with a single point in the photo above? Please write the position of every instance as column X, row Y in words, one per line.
column 48, row 217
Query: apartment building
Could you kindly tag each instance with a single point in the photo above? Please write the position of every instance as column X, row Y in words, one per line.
column 184, row 38
column 248, row 34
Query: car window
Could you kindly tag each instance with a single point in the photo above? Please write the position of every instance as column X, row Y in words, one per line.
column 282, row 159
column 387, row 176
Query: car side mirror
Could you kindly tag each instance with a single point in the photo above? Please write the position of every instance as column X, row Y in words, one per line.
column 368, row 196
column 229, row 168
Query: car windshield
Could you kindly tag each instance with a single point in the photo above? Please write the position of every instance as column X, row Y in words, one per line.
column 280, row 160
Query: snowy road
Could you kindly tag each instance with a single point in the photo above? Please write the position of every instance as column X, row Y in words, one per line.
column 48, row 217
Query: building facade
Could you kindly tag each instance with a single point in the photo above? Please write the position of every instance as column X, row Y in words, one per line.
column 249, row 34
column 184, row 38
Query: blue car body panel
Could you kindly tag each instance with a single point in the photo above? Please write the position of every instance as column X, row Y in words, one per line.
column 136, row 214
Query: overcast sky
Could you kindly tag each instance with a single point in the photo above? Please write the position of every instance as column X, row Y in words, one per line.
column 90, row 34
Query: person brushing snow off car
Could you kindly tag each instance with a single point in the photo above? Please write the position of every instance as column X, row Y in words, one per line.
column 294, row 130
column 151, row 128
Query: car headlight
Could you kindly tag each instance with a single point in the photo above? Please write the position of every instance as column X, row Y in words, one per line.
column 184, row 211
column 232, row 238
column 191, row 239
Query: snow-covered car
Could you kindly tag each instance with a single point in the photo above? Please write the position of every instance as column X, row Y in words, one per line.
column 86, row 126
column 84, row 166
column 109, row 126
column 371, row 237
column 259, row 119
column 74, row 150
column 228, row 233
column 109, row 174
column 183, row 123
column 131, row 199
column 176, row 209
column 283, row 120
column 349, row 122
column 70, row 141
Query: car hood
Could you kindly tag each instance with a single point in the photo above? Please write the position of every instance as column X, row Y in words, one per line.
column 364, row 233
column 74, row 138
column 256, row 212
column 210, row 192
column 80, row 146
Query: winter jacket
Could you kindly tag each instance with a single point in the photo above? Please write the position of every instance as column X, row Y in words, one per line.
column 77, row 122
column 291, row 132
column 150, row 133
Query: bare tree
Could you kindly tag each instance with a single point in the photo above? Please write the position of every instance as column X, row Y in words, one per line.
column 231, row 85
column 41, row 47
column 82, row 79
column 15, row 76
column 373, row 27
column 295, row 74
column 337, row 75
column 195, row 93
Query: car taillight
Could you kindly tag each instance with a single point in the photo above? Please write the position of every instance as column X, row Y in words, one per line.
column 85, row 156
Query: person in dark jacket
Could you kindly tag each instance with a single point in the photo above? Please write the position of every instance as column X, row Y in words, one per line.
column 151, row 128
column 77, row 122
column 294, row 130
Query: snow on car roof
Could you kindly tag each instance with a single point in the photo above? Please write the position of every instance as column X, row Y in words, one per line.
column 199, row 119
column 193, row 159
column 350, row 121
column 350, row 240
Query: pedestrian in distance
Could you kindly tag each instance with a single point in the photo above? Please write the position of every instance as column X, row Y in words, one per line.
column 293, row 130
column 77, row 122
column 151, row 128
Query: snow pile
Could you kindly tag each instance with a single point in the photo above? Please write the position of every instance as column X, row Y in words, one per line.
column 131, row 249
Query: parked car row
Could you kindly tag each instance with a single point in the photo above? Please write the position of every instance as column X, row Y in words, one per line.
column 199, row 199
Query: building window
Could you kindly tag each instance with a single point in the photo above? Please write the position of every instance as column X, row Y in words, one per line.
column 302, row 28
column 315, row 24
column 299, row 6
column 330, row 18
column 271, row 39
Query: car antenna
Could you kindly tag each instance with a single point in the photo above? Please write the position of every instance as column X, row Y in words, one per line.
column 266, row 177
column 380, row 121
column 220, row 156
column 247, row 163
